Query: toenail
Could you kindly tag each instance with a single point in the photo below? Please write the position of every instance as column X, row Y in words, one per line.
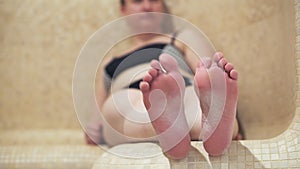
column 162, row 69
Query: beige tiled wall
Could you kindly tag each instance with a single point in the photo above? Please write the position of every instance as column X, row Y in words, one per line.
column 40, row 41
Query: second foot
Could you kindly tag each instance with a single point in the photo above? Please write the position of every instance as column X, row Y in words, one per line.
column 163, row 90
column 220, row 71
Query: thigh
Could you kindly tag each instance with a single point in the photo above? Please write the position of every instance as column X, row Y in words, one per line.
column 128, row 103
column 126, row 118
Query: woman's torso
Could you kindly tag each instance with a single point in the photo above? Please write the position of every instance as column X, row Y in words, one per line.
column 127, row 70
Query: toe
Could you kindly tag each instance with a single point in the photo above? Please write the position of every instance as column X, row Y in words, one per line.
column 218, row 56
column 147, row 78
column 228, row 67
column 153, row 73
column 233, row 74
column 200, row 64
column 168, row 62
column 205, row 61
column 222, row 62
column 155, row 64
column 144, row 86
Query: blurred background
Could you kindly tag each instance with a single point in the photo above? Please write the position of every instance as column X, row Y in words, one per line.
column 41, row 40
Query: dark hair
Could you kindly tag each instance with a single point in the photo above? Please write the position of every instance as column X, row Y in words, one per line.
column 122, row 2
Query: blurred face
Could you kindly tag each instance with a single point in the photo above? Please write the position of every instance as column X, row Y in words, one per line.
column 138, row 6
column 145, row 22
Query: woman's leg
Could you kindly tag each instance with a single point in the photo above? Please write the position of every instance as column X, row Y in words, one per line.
column 125, row 118
column 118, row 128
column 211, row 97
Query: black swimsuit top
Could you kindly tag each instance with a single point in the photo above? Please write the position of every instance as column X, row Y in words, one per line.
column 120, row 64
column 142, row 55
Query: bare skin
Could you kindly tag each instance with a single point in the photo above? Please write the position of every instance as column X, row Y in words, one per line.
column 118, row 128
column 163, row 89
column 221, row 138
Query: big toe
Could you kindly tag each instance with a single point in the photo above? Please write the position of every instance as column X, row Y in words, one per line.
column 204, row 62
column 168, row 62
column 218, row 56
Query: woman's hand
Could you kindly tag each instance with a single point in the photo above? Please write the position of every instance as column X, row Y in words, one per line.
column 94, row 134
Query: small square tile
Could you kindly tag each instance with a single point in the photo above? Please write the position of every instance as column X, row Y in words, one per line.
column 266, row 157
column 224, row 165
column 274, row 157
column 258, row 165
column 241, row 166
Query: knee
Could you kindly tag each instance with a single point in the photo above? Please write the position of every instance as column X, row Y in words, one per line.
column 110, row 112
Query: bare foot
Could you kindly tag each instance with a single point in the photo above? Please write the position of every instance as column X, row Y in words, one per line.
column 216, row 86
column 163, row 90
